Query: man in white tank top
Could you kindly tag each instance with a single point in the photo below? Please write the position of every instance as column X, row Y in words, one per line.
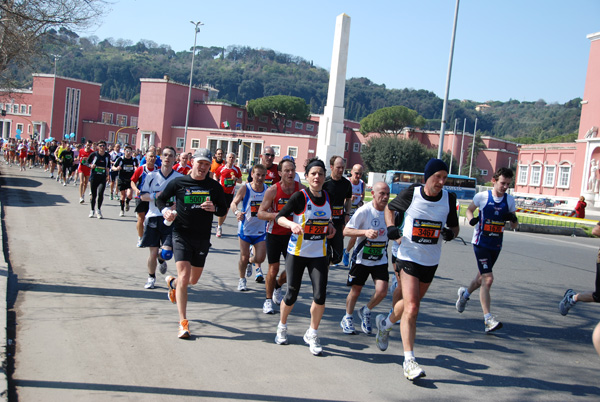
column 358, row 196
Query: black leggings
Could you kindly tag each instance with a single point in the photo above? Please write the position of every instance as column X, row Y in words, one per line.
column 318, row 270
column 97, row 186
column 596, row 294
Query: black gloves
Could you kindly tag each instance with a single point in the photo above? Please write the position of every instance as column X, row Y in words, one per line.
column 447, row 234
column 474, row 221
column 393, row 233
column 510, row 217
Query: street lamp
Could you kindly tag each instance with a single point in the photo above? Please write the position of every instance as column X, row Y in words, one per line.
column 187, row 114
column 56, row 57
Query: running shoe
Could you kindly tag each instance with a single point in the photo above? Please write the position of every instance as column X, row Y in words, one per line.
column 268, row 307
column 381, row 339
column 491, row 324
column 162, row 266
column 52, row 176
column 81, row 201
column 259, row 276
column 112, row 196
column 412, row 371
column 150, row 283
column 127, row 206
column 98, row 214
column 347, row 325
column 91, row 215
column 242, row 285
column 394, row 284
column 346, row 258
column 313, row 342
column 122, row 213
column 64, row 183
column 281, row 337
column 219, row 231
column 139, row 241
column 249, row 270
column 184, row 329
column 171, row 292
column 365, row 319
column 278, row 296
column 461, row 303
column 567, row 302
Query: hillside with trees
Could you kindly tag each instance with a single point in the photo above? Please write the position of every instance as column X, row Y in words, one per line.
column 242, row 74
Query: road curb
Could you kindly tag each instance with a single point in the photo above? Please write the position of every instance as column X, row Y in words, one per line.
column 3, row 312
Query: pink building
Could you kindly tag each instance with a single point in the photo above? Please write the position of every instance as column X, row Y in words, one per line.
column 567, row 171
column 55, row 107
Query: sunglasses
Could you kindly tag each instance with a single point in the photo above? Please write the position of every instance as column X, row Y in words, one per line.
column 270, row 155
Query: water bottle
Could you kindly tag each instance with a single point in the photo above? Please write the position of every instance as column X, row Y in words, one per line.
column 169, row 223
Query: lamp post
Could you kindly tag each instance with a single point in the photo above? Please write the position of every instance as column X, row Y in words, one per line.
column 53, row 91
column 187, row 114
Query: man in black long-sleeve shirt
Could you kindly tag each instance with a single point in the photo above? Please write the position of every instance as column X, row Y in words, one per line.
column 197, row 199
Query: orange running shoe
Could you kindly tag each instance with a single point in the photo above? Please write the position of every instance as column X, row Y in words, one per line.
column 184, row 329
column 171, row 291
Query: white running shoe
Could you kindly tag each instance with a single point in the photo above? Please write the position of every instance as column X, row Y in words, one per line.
column 98, row 214
column 242, row 285
column 259, row 276
column 249, row 270
column 461, row 303
column 314, row 344
column 139, row 241
column 381, row 339
column 281, row 337
column 150, row 283
column 347, row 325
column 567, row 302
column 162, row 267
column 365, row 319
column 491, row 324
column 122, row 213
column 278, row 295
column 268, row 307
column 412, row 371
column 219, row 231
column 91, row 215
column 81, row 200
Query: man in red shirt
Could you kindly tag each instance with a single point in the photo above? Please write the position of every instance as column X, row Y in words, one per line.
column 229, row 175
column 267, row 158
column 84, row 169
column 183, row 165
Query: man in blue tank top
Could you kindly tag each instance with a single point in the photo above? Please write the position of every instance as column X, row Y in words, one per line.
column 496, row 207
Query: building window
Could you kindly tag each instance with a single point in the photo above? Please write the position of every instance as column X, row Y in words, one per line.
column 522, row 179
column 179, row 142
column 1, row 106
column 15, row 109
column 310, row 127
column 293, row 152
column 249, row 127
column 250, row 117
column 121, row 120
column 262, row 129
column 133, row 120
column 72, row 101
column 111, row 137
column 346, row 147
column 195, row 144
column 298, row 125
column 122, row 138
column 564, row 176
column 536, row 174
column 273, row 130
column 484, row 172
column 133, row 141
column 549, row 174
column 263, row 119
column 20, row 128
column 107, row 118
column 275, row 149
column 288, row 123
column 23, row 109
column 240, row 114
column 355, row 146
column 29, row 109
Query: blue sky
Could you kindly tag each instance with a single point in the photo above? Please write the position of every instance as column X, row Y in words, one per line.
column 520, row 49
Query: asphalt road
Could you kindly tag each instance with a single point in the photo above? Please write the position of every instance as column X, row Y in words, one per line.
column 88, row 330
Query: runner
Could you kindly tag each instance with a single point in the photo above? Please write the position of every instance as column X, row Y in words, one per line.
column 311, row 227
column 52, row 150
column 251, row 229
column 228, row 175
column 99, row 165
column 272, row 171
column 84, row 169
column 66, row 158
column 114, row 154
column 137, row 180
column 125, row 166
column 183, row 165
column 369, row 258
column 22, row 150
column 216, row 163
column 426, row 208
column 59, row 149
column 198, row 198
column 31, row 151
column 278, row 237
column 358, row 195
column 496, row 207
column 340, row 195
column 156, row 233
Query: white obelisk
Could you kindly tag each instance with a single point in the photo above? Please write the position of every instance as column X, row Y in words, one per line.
column 331, row 138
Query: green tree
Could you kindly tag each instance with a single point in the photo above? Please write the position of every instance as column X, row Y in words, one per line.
column 391, row 120
column 281, row 108
column 381, row 154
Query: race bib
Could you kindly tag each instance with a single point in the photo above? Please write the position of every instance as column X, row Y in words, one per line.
column 315, row 229
column 373, row 250
column 425, row 231
column 100, row 169
column 229, row 182
column 492, row 228
column 196, row 197
column 254, row 205
column 337, row 211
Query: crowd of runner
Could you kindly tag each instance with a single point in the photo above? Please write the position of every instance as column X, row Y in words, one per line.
column 177, row 196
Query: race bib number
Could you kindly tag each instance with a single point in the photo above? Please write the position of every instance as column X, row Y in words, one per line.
column 373, row 250
column 492, row 228
column 254, row 205
column 337, row 212
column 269, row 182
column 425, row 231
column 229, row 182
column 84, row 161
column 281, row 203
column 196, row 197
column 100, row 169
column 315, row 229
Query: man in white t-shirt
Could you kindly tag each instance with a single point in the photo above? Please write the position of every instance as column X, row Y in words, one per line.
column 368, row 226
